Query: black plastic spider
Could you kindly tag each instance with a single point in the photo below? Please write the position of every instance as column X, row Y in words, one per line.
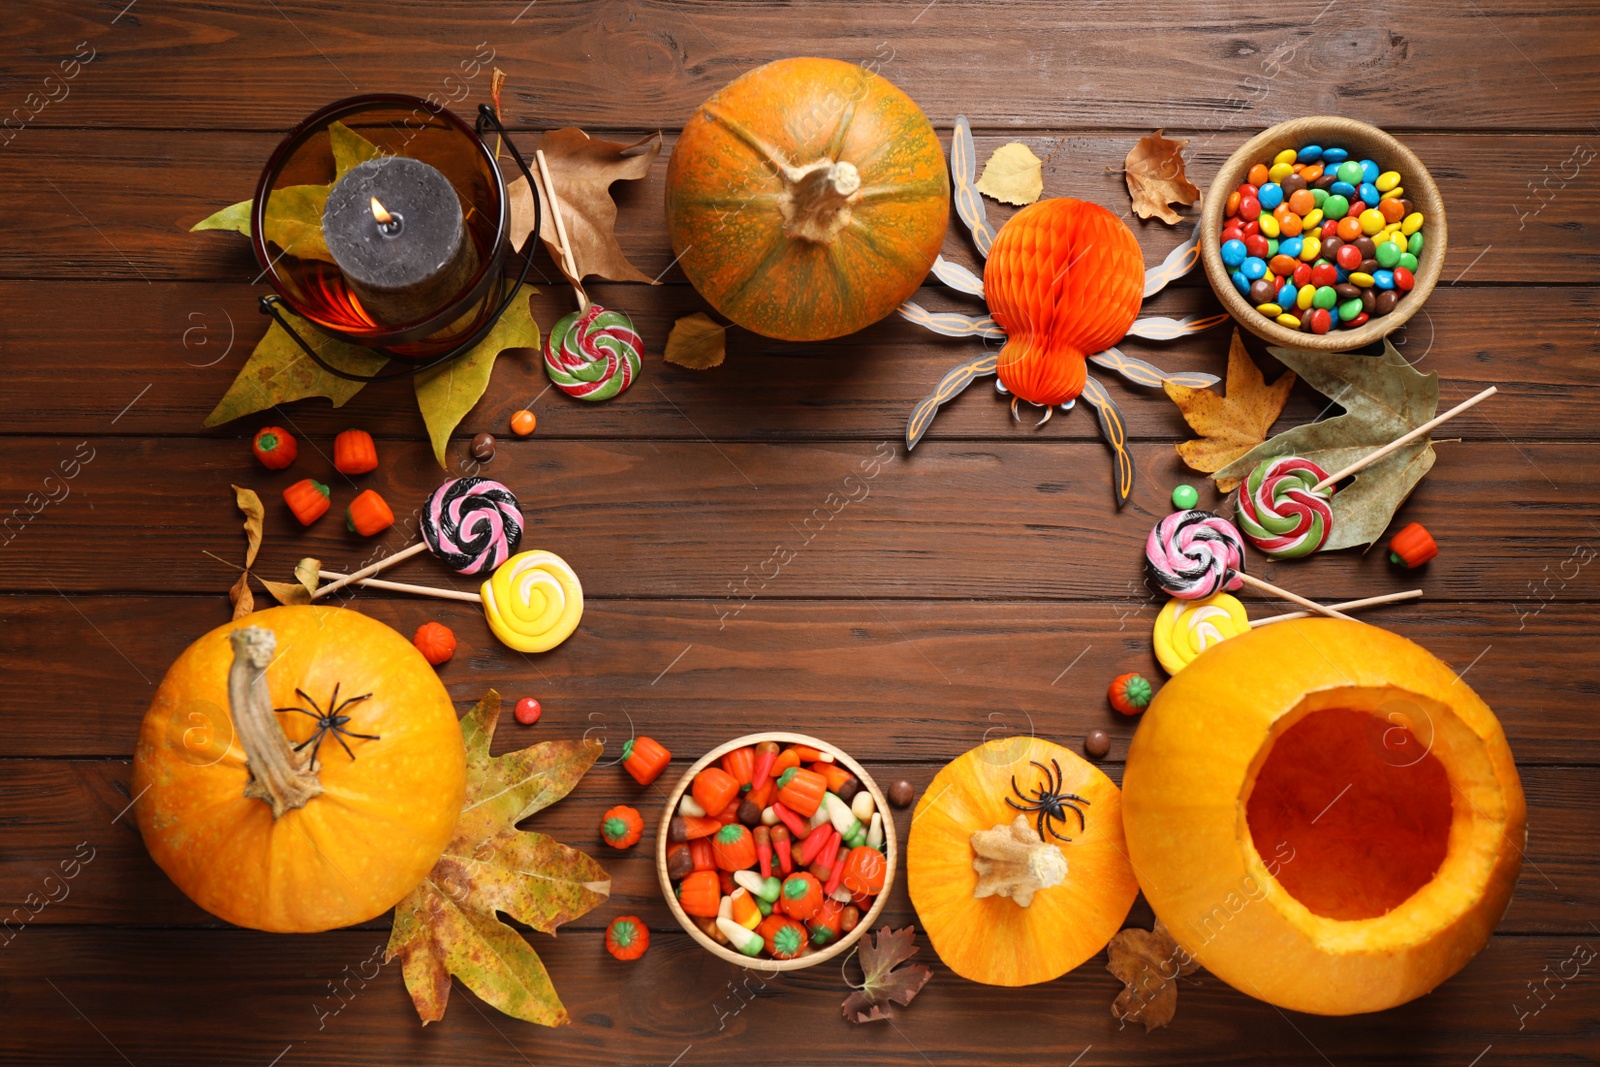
column 1049, row 801
column 330, row 721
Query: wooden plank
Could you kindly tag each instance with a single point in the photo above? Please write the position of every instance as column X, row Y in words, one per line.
column 1018, row 520
column 129, row 220
column 52, row 807
column 178, row 347
column 1217, row 68
column 232, row 997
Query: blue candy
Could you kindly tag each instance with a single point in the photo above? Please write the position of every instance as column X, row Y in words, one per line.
column 1344, row 189
column 1270, row 196
column 1332, row 157
column 1369, row 171
column 1369, row 194
column 1309, row 154
column 1240, row 282
column 1290, row 246
column 1287, row 294
column 1233, row 252
column 1341, row 273
column 1253, row 268
column 1383, row 279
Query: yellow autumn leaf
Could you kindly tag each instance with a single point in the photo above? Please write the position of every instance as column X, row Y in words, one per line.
column 696, row 342
column 1013, row 175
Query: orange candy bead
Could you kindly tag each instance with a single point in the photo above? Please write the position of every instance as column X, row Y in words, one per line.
column 523, row 422
column 1312, row 173
column 1349, row 229
column 1391, row 210
column 1233, row 204
column 1291, row 225
column 1301, row 202
column 1258, row 175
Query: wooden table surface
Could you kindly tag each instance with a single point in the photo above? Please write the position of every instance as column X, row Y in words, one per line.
column 984, row 585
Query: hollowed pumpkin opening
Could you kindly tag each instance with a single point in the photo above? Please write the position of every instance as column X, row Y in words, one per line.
column 1367, row 830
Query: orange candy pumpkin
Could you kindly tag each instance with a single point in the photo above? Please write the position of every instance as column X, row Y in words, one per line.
column 273, row 839
column 807, row 199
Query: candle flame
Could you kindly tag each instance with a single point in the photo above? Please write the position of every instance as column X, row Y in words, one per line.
column 379, row 212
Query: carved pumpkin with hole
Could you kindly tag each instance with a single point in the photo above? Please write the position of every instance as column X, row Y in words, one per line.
column 807, row 199
column 1016, row 862
column 1324, row 816
column 300, row 769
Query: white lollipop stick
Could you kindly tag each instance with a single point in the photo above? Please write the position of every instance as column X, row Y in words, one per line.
column 561, row 230
column 1293, row 598
column 1348, row 605
column 374, row 568
column 1398, row 442
column 398, row 587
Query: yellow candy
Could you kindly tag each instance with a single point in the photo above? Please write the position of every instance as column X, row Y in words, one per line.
column 1392, row 194
column 1288, row 320
column 1361, row 278
column 1186, row 628
column 1269, row 225
column 1288, row 155
column 1269, row 310
column 533, row 602
column 1279, row 171
column 1312, row 218
column 1311, row 249
column 1303, row 298
column 1372, row 221
column 1387, row 180
column 1411, row 223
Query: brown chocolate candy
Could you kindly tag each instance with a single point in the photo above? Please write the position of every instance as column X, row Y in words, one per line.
column 1262, row 292
column 1385, row 302
column 1097, row 744
column 482, row 448
column 901, row 794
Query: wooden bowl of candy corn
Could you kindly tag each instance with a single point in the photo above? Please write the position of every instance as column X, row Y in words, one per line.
column 697, row 869
column 1392, row 253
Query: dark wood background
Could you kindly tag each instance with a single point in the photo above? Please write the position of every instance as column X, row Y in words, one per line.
column 984, row 586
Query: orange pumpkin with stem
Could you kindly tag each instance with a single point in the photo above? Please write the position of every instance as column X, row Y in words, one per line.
column 299, row 769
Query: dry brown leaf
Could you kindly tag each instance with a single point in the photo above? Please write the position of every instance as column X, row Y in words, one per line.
column 1154, row 170
column 1013, row 175
column 244, row 601
column 583, row 169
column 696, row 342
column 1229, row 426
column 1149, row 963
column 883, row 979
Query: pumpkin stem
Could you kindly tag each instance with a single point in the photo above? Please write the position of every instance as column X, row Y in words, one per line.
column 816, row 199
column 278, row 775
column 1012, row 862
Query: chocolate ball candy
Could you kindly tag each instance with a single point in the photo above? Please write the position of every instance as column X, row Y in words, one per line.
column 482, row 448
column 1097, row 744
column 1262, row 292
column 1347, row 291
column 1291, row 184
column 1385, row 302
column 1367, row 247
column 1185, row 497
column 901, row 794
column 1368, row 301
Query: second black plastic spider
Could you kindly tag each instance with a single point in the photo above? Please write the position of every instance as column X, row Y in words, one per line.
column 329, row 722
column 1049, row 801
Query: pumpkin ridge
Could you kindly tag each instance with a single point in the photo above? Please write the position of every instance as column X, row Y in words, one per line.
column 836, row 142
column 748, row 137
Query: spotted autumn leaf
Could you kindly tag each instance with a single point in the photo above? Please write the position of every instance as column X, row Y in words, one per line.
column 1154, row 172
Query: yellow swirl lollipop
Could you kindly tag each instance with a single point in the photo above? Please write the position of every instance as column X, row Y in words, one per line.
column 1186, row 628
column 533, row 602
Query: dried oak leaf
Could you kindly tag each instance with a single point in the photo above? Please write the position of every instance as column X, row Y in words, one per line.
column 244, row 601
column 582, row 169
column 448, row 924
column 696, row 342
column 1149, row 963
column 884, row 980
column 1154, row 172
column 447, row 393
column 1383, row 398
column 1232, row 425
column 1013, row 175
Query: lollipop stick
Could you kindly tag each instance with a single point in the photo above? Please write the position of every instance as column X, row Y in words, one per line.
column 402, row 587
column 1293, row 598
column 374, row 568
column 561, row 230
column 1398, row 442
column 1367, row 602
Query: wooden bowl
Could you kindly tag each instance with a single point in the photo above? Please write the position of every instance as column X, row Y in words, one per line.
column 1363, row 142
column 812, row 956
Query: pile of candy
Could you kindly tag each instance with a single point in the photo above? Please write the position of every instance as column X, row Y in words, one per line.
column 776, row 852
column 1316, row 239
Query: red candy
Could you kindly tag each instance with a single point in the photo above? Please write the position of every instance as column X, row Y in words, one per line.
column 1320, row 275
column 1349, row 257
column 1359, row 320
column 1303, row 275
column 1256, row 245
column 528, row 711
column 1403, row 278
column 1249, row 208
column 1321, row 321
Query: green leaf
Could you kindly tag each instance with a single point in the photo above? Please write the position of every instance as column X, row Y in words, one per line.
column 279, row 371
column 1383, row 398
column 446, row 394
column 233, row 217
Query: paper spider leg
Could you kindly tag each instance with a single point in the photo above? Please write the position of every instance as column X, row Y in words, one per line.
column 957, row 277
column 964, row 175
column 1115, row 431
column 1138, row 372
column 1179, row 261
column 954, row 381
column 951, row 323
column 1161, row 328
column 1048, row 411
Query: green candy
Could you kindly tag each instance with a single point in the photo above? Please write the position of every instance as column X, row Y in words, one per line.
column 1319, row 197
column 1408, row 261
column 1335, row 207
column 1415, row 245
column 1185, row 497
column 1349, row 309
column 1350, row 171
column 1325, row 298
column 1388, row 254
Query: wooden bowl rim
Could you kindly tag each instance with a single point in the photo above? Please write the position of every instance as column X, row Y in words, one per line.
column 810, row 959
column 1319, row 129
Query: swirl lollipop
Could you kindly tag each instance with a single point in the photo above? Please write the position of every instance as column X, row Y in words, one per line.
column 472, row 524
column 1186, row 628
column 1281, row 511
column 593, row 354
column 533, row 602
column 1193, row 554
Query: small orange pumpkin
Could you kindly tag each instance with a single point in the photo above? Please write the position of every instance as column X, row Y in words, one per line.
column 807, row 199
column 1324, row 816
column 267, row 819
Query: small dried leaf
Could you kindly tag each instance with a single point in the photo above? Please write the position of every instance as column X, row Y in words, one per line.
column 1148, row 962
column 1154, row 172
column 309, row 572
column 696, row 342
column 254, row 517
column 240, row 596
column 286, row 592
column 1232, row 425
column 446, row 394
column 881, row 981
column 1013, row 175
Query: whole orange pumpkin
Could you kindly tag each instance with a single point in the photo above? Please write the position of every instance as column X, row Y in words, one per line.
column 300, row 769
column 1324, row 816
column 807, row 199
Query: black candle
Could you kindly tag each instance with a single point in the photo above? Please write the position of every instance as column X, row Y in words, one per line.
column 394, row 227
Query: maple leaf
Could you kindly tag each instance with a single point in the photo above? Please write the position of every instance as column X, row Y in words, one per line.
column 582, row 169
column 696, row 342
column 1013, row 175
column 1232, row 425
column 1154, row 172
column 1149, row 962
column 446, row 393
column 882, row 981
column 447, row 924
column 1384, row 397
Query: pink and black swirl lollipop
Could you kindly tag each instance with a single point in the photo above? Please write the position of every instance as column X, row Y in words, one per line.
column 472, row 524
column 1193, row 554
